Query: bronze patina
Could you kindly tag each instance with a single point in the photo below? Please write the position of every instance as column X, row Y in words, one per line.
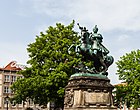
column 92, row 49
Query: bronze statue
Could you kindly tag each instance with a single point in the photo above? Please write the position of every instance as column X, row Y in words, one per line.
column 91, row 48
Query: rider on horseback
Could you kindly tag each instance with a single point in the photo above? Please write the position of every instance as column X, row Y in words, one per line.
column 91, row 49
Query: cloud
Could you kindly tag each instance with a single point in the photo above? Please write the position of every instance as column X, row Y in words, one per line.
column 123, row 38
column 109, row 14
column 51, row 7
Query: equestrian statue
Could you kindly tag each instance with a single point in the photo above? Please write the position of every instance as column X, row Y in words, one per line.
column 92, row 49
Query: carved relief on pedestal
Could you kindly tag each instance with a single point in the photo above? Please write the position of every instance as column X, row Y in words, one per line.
column 69, row 98
column 89, row 82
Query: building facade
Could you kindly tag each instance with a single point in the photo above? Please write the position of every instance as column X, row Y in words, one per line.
column 8, row 75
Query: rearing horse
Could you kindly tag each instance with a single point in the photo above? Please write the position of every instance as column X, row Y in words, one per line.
column 91, row 49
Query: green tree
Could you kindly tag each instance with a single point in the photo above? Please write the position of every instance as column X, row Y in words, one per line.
column 120, row 95
column 129, row 71
column 51, row 66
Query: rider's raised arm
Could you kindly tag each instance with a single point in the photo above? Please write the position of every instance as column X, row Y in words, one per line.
column 81, row 28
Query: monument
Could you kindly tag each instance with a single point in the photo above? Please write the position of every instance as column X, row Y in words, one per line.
column 89, row 87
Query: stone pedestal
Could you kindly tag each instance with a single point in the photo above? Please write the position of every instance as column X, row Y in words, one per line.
column 88, row 93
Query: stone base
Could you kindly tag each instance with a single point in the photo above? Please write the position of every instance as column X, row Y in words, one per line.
column 92, row 108
column 88, row 93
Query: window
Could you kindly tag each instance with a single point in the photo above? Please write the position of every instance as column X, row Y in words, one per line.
column 7, row 78
column 13, row 78
column 6, row 89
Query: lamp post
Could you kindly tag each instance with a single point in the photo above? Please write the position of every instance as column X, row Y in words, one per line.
column 7, row 101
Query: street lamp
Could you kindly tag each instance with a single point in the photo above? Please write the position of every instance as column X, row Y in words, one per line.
column 7, row 101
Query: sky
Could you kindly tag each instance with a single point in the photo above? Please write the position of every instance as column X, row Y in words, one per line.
column 21, row 20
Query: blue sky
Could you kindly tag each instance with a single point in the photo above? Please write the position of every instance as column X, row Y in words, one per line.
column 21, row 20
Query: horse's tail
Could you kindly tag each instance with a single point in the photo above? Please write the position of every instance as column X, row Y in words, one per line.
column 109, row 60
column 106, row 63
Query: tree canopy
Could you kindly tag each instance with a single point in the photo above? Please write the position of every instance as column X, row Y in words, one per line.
column 120, row 95
column 129, row 71
column 51, row 66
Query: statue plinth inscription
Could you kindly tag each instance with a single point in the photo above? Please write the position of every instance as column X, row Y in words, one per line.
column 90, row 98
column 93, row 98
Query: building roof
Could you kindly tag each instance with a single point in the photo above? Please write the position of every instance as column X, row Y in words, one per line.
column 12, row 66
column 121, row 84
